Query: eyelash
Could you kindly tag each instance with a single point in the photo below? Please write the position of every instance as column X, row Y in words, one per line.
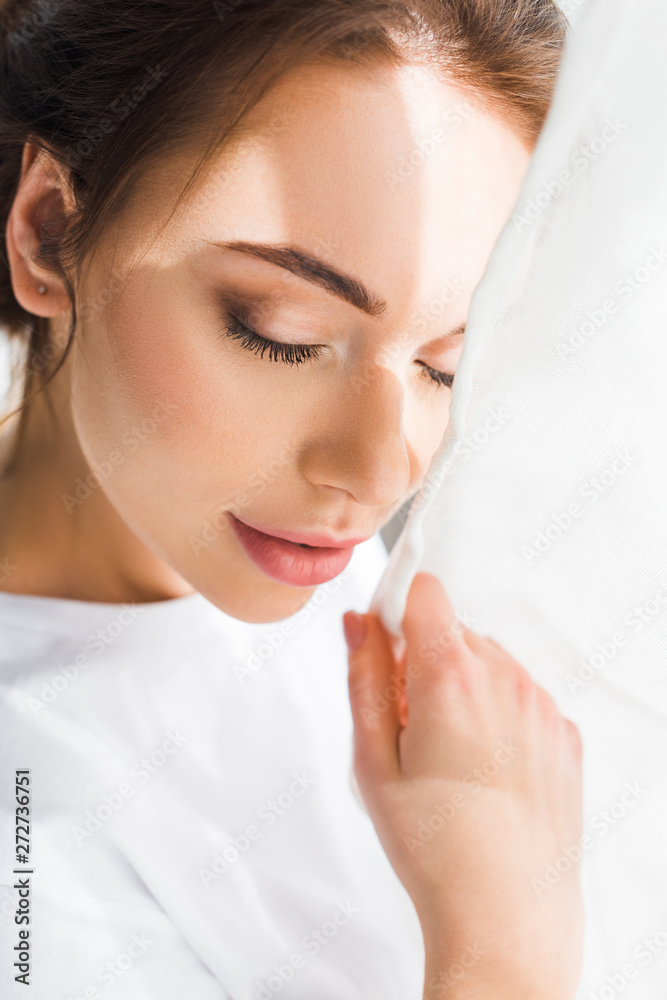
column 297, row 354
column 290, row 354
column 440, row 378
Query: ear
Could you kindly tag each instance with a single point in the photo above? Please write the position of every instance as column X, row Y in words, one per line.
column 39, row 203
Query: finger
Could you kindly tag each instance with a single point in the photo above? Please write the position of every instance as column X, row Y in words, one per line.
column 428, row 609
column 432, row 632
column 484, row 645
column 496, row 647
column 477, row 644
column 374, row 686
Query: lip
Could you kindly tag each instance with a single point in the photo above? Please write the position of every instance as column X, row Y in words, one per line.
column 282, row 558
column 312, row 538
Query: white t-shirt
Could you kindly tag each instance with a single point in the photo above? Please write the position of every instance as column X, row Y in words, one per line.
column 194, row 833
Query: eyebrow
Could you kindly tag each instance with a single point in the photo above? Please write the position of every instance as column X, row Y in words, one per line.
column 456, row 332
column 312, row 269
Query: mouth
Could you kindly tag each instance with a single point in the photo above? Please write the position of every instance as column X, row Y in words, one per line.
column 297, row 563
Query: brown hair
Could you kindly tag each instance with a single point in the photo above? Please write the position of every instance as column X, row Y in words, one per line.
column 107, row 87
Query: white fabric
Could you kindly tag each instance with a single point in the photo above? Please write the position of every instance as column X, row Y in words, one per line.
column 545, row 511
column 170, row 683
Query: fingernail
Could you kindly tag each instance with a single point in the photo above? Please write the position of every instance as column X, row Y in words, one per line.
column 354, row 626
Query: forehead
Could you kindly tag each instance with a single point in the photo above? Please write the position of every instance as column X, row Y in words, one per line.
column 392, row 174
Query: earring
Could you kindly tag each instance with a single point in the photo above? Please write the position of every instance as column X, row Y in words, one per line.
column 41, row 289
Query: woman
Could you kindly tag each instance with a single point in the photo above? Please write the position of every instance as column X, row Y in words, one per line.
column 243, row 239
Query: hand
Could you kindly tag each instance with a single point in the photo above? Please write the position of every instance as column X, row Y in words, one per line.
column 473, row 781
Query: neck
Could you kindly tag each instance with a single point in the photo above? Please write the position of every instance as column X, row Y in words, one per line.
column 59, row 534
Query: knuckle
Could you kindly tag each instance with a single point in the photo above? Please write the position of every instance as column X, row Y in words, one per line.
column 546, row 702
column 357, row 686
column 361, row 700
column 495, row 647
column 477, row 644
column 435, row 658
column 449, row 668
column 518, row 677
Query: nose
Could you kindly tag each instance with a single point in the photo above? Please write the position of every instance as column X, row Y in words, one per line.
column 359, row 443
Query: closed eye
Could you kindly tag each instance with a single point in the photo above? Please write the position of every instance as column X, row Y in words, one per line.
column 440, row 378
column 298, row 354
column 250, row 340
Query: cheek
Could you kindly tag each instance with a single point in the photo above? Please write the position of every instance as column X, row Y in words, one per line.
column 152, row 384
column 425, row 420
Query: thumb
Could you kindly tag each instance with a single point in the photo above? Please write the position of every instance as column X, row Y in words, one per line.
column 375, row 694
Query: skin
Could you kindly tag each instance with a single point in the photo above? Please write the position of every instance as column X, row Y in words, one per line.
column 326, row 164
column 353, row 431
column 472, row 734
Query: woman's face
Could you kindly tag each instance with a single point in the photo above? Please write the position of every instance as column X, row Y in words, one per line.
column 354, row 216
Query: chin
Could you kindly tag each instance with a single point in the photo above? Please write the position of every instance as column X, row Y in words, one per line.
column 225, row 575
column 257, row 599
